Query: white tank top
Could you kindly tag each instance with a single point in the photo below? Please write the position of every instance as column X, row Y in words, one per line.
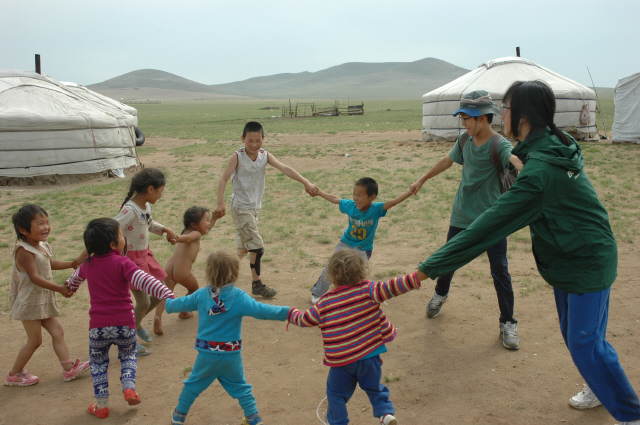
column 248, row 180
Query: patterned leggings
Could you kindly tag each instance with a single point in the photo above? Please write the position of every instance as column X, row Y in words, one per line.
column 100, row 340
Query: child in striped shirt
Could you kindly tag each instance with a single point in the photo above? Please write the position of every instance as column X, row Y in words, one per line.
column 354, row 333
column 112, row 320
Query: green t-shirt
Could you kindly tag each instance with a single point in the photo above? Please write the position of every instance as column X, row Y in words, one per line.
column 480, row 185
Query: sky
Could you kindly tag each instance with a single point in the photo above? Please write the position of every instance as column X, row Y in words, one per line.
column 214, row 42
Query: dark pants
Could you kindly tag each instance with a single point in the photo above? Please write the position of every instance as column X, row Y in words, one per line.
column 341, row 384
column 499, row 271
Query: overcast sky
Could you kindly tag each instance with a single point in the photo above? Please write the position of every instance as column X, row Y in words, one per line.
column 214, row 42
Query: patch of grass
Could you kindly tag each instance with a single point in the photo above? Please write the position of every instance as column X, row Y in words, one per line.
column 187, row 370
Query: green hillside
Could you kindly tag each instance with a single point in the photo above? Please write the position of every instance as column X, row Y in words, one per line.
column 151, row 78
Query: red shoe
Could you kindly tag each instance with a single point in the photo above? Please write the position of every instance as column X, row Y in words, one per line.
column 100, row 413
column 131, row 397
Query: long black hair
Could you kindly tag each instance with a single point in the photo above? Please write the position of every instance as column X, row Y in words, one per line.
column 142, row 180
column 193, row 215
column 535, row 102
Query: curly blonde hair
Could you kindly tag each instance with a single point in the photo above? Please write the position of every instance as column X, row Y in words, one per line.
column 222, row 267
column 347, row 267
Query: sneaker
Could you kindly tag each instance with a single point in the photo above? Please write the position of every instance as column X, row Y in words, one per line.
column 254, row 419
column 314, row 299
column 100, row 413
column 388, row 419
column 20, row 379
column 131, row 397
column 435, row 305
column 636, row 422
column 177, row 417
column 509, row 335
column 77, row 369
column 262, row 290
column 585, row 399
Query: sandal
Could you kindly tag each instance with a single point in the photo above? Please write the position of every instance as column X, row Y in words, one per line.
column 142, row 350
column 144, row 334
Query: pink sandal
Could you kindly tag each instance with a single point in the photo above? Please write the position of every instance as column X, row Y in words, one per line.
column 77, row 368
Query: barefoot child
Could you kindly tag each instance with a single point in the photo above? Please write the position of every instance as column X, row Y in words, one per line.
column 111, row 318
column 197, row 223
column 364, row 215
column 354, row 333
column 221, row 307
column 32, row 297
column 246, row 168
column 136, row 223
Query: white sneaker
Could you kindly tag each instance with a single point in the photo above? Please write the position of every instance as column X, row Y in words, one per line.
column 388, row 420
column 509, row 335
column 585, row 399
column 636, row 422
column 314, row 299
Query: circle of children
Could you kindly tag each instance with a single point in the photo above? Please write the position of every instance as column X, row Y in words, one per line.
column 552, row 195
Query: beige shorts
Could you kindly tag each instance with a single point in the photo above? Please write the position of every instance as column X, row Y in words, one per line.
column 246, row 222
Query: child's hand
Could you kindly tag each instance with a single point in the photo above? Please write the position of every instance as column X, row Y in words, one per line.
column 311, row 189
column 171, row 236
column 415, row 187
column 64, row 290
column 219, row 212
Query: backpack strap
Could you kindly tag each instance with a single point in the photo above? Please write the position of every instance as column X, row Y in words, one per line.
column 493, row 148
column 462, row 140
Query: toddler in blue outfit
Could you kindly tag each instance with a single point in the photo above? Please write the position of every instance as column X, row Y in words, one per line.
column 221, row 307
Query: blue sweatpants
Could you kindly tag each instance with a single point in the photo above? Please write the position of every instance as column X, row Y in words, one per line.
column 583, row 323
column 226, row 368
column 341, row 384
column 100, row 340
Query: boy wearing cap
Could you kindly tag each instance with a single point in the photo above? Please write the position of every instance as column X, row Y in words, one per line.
column 479, row 189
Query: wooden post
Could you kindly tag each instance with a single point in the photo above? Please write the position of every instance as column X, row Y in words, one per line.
column 38, row 64
column 518, row 51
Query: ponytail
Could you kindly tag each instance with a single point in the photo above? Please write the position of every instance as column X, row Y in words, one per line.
column 559, row 134
column 142, row 180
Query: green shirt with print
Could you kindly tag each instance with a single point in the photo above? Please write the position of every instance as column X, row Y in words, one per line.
column 480, row 184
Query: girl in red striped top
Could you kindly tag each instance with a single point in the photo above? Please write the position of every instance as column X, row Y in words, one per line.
column 354, row 333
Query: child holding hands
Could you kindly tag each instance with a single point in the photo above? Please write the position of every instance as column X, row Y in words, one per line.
column 363, row 215
column 221, row 307
column 354, row 333
column 197, row 223
column 111, row 318
column 32, row 296
column 136, row 222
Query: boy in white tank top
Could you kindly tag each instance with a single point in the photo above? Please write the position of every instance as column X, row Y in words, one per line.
column 246, row 169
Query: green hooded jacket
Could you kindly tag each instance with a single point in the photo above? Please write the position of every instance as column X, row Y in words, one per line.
column 573, row 245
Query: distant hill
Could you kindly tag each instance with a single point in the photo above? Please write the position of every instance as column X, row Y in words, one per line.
column 356, row 80
column 151, row 78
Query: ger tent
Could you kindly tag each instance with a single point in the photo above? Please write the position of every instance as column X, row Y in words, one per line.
column 575, row 103
column 49, row 128
column 626, row 120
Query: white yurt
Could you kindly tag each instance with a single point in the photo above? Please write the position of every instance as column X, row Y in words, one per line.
column 575, row 103
column 626, row 120
column 49, row 128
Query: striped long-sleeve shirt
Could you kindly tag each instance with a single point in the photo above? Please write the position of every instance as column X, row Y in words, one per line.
column 108, row 278
column 350, row 318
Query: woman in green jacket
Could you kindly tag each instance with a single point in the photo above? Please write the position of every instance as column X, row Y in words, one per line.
column 572, row 242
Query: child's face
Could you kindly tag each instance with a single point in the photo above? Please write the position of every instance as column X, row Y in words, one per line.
column 40, row 229
column 360, row 197
column 205, row 224
column 122, row 242
column 253, row 142
column 153, row 194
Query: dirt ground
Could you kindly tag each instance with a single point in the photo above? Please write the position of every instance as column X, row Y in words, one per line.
column 448, row 370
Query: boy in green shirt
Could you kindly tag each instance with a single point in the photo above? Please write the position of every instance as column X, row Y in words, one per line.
column 479, row 189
